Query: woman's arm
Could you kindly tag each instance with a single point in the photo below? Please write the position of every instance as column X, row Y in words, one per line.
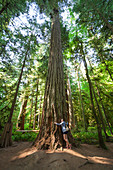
column 58, row 123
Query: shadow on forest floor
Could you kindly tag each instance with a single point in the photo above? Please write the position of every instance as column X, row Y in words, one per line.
column 21, row 156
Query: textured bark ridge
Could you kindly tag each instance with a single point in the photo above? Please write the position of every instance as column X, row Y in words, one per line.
column 54, row 107
column 50, row 140
column 53, row 139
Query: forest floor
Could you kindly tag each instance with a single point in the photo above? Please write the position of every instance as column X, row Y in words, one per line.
column 21, row 156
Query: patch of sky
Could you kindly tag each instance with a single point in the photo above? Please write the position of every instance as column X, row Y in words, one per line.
column 27, row 20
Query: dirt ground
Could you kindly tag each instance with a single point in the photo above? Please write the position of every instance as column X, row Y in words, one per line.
column 21, row 156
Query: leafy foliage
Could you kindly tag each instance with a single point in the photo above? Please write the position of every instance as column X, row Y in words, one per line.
column 27, row 136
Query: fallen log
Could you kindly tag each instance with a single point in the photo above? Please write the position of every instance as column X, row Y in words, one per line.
column 27, row 130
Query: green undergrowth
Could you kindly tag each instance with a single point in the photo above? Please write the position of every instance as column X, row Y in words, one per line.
column 86, row 137
column 89, row 137
column 24, row 136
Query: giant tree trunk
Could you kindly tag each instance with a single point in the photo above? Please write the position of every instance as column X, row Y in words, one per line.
column 54, row 107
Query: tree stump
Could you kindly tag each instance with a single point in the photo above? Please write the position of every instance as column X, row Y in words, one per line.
column 6, row 139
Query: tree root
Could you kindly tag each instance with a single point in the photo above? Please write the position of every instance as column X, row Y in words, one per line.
column 50, row 140
column 53, row 140
column 87, row 162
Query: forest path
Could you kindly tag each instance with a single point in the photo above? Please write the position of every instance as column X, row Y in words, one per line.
column 21, row 156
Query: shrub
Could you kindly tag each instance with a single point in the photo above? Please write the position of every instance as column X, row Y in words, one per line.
column 86, row 137
column 26, row 136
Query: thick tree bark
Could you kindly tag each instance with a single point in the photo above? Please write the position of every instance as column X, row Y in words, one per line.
column 54, row 98
column 22, row 121
column 54, row 107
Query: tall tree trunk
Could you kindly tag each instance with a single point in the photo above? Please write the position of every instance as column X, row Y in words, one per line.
column 34, row 121
column 31, row 109
column 101, row 141
column 103, row 109
column 100, row 114
column 18, row 119
column 81, row 103
column 7, row 132
column 54, row 107
column 20, row 113
column 67, row 105
column 98, row 92
column 76, row 123
column 22, row 116
column 40, row 109
column 71, row 114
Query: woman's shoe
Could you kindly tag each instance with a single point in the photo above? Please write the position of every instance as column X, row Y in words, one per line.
column 70, row 146
column 67, row 147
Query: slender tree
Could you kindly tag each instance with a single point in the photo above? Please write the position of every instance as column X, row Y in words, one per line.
column 101, row 141
column 103, row 108
column 23, row 113
column 100, row 114
column 81, row 102
column 31, row 109
column 7, row 132
column 98, row 105
column 70, row 105
column 35, row 111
